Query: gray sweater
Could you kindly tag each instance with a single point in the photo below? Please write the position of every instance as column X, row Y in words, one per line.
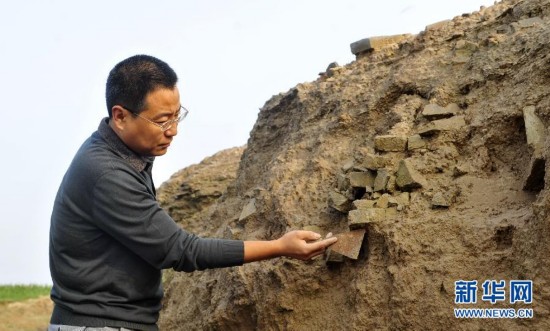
column 109, row 240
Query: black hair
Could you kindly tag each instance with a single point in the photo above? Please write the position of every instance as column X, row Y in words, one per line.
column 132, row 79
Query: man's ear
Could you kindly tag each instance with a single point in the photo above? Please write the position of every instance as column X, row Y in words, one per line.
column 119, row 117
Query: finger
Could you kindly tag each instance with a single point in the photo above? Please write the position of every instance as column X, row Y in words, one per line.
column 329, row 241
column 322, row 244
column 308, row 235
column 316, row 253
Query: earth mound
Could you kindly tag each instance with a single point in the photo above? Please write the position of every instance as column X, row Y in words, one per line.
column 435, row 143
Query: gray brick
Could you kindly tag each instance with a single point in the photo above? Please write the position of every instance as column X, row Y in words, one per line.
column 534, row 181
column 447, row 124
column 390, row 143
column 364, row 204
column 434, row 111
column 534, row 129
column 439, row 200
column 415, row 142
column 408, row 178
column 361, row 217
column 376, row 43
column 374, row 162
column 339, row 202
column 381, row 180
column 361, row 179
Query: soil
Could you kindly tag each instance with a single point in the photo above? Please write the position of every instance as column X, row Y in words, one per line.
column 492, row 64
column 26, row 315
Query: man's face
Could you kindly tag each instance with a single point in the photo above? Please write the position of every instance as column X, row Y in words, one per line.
column 142, row 136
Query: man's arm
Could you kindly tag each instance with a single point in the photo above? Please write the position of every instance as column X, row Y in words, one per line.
column 295, row 244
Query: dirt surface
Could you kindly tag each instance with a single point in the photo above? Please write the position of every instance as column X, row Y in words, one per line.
column 26, row 315
column 470, row 220
column 189, row 193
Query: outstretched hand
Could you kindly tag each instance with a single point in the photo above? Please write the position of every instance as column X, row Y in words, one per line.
column 298, row 244
column 303, row 245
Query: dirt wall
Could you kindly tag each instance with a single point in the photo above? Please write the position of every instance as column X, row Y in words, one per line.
column 488, row 67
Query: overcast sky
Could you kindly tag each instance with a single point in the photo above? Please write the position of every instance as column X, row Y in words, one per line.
column 231, row 57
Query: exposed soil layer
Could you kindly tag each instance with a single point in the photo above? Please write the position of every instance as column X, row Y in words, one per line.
column 27, row 315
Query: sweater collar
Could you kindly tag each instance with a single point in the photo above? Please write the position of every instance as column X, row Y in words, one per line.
column 136, row 161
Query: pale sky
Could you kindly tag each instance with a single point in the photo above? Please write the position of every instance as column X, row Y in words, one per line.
column 230, row 56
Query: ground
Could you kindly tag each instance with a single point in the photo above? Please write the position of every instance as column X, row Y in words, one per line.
column 27, row 315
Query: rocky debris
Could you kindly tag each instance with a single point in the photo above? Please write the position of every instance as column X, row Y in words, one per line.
column 391, row 187
column 333, row 257
column 380, row 192
column 383, row 201
column 364, row 204
column 440, row 201
column 360, row 218
column 534, row 130
column 361, row 179
column 415, row 142
column 390, row 143
column 348, row 165
column 447, row 124
column 526, row 23
column 374, row 162
column 463, row 50
column 536, row 170
column 343, row 182
column 248, row 211
column 234, row 232
column 459, row 170
column 381, row 180
column 408, row 178
column 376, row 43
column 331, row 69
column 402, row 199
column 339, row 202
column 369, row 190
column 392, row 201
column 359, row 189
column 434, row 111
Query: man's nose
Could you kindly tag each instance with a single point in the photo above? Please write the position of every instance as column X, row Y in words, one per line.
column 172, row 131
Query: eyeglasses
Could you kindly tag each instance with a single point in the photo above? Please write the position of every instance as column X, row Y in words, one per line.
column 164, row 126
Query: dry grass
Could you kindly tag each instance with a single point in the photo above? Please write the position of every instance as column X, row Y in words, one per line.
column 27, row 315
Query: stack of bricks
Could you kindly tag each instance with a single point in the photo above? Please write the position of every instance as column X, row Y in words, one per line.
column 373, row 191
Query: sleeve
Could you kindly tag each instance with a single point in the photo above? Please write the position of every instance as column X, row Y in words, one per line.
column 123, row 208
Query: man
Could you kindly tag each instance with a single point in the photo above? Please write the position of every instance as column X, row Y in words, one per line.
column 109, row 239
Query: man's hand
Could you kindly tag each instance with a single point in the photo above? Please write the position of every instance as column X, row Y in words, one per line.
column 296, row 244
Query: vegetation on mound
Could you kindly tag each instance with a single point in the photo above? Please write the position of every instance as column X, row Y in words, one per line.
column 10, row 293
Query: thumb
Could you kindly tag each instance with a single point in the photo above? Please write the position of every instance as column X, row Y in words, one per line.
column 308, row 235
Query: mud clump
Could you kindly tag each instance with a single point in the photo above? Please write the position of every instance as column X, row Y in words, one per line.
column 439, row 120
